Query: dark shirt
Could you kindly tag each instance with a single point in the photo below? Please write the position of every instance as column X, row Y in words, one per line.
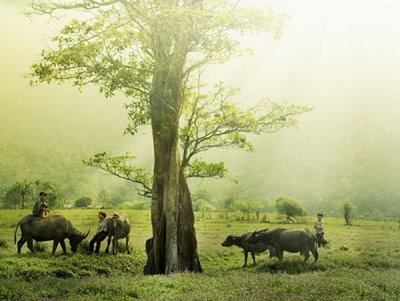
column 38, row 208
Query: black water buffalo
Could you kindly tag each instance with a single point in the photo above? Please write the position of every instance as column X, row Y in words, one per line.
column 242, row 242
column 118, row 228
column 54, row 227
column 293, row 240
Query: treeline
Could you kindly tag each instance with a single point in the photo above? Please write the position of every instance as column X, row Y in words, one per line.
column 28, row 167
column 291, row 210
column 62, row 169
column 22, row 194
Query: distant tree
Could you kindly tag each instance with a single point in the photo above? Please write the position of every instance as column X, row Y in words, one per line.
column 103, row 198
column 347, row 209
column 83, row 202
column 10, row 198
column 289, row 207
column 247, row 207
column 18, row 194
column 115, row 200
column 228, row 203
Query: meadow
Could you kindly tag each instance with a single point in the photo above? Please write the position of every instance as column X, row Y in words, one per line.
column 361, row 262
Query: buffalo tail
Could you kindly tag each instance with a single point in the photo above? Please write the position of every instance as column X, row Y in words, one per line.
column 15, row 233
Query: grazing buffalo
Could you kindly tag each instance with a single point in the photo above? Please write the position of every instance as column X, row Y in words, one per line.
column 118, row 227
column 294, row 240
column 54, row 227
column 242, row 242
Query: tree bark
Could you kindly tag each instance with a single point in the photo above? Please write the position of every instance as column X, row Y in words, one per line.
column 173, row 247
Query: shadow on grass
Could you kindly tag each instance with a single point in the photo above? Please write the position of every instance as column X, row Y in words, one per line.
column 290, row 266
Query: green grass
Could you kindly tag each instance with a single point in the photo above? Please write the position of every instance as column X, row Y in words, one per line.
column 369, row 270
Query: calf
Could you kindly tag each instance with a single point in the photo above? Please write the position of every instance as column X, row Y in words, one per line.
column 118, row 227
column 242, row 242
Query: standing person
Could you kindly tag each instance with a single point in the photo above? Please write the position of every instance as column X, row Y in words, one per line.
column 40, row 208
column 102, row 232
column 319, row 230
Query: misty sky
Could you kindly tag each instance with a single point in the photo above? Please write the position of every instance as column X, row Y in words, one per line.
column 340, row 57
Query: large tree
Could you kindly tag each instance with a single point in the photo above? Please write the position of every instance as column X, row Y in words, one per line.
column 149, row 50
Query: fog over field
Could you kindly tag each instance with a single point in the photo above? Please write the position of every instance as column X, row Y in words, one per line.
column 339, row 57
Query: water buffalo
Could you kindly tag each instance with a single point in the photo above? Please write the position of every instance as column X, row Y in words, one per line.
column 54, row 227
column 242, row 242
column 293, row 240
column 118, row 228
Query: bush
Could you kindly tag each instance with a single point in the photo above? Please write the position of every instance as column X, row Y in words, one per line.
column 347, row 209
column 83, row 202
column 290, row 208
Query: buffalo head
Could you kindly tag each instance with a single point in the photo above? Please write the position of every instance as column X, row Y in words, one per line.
column 229, row 241
column 75, row 240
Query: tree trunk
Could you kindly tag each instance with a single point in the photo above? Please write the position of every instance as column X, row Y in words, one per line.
column 173, row 247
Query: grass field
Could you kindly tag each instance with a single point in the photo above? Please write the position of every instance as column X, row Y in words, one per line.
column 368, row 270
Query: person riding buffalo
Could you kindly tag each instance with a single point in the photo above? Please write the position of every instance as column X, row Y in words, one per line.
column 41, row 208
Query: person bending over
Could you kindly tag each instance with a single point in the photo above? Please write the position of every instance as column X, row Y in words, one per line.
column 102, row 232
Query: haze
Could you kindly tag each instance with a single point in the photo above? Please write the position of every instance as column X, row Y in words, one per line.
column 340, row 57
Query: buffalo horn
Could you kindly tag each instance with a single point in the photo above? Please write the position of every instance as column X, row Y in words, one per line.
column 259, row 231
column 84, row 235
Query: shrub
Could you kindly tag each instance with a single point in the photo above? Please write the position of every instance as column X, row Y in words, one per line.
column 347, row 209
column 289, row 207
column 83, row 202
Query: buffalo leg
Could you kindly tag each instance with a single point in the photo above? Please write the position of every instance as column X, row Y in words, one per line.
column 314, row 251
column 306, row 254
column 21, row 242
column 127, row 245
column 254, row 257
column 30, row 245
column 63, row 246
column 114, row 245
column 279, row 252
column 246, row 254
column 55, row 245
